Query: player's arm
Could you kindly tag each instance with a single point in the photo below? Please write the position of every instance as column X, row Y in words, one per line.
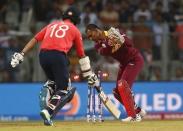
column 79, row 45
column 38, row 37
column 18, row 57
column 103, row 48
column 114, row 37
column 84, row 62
column 29, row 46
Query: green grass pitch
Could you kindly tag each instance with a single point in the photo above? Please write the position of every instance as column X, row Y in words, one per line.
column 159, row 125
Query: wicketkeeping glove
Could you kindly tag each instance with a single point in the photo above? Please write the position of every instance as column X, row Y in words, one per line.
column 93, row 80
column 16, row 59
column 115, row 36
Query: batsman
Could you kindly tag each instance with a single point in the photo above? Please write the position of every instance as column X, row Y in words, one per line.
column 56, row 39
column 120, row 47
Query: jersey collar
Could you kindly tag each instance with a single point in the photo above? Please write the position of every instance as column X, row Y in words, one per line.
column 67, row 21
column 106, row 33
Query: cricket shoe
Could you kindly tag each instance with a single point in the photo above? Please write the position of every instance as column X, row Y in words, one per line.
column 46, row 117
column 131, row 119
column 48, row 123
column 142, row 113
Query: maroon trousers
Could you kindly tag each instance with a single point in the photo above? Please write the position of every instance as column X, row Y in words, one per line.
column 126, row 77
column 130, row 71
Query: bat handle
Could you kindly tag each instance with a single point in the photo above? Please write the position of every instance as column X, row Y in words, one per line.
column 99, row 75
column 98, row 89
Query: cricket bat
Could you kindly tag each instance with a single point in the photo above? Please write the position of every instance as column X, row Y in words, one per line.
column 108, row 103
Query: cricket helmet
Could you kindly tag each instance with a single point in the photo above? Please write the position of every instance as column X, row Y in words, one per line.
column 73, row 14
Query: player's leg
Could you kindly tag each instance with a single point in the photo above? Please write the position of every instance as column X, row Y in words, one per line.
column 128, row 77
column 139, row 61
column 46, row 92
column 115, row 90
column 58, row 100
column 138, row 110
column 126, row 98
column 61, row 98
column 62, row 95
column 117, row 95
column 123, row 93
column 49, row 87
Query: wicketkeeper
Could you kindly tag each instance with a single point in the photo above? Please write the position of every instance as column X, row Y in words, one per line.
column 56, row 39
column 120, row 47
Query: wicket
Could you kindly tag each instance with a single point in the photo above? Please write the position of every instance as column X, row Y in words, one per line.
column 91, row 105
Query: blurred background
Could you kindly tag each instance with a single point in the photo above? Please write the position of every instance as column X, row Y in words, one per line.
column 155, row 26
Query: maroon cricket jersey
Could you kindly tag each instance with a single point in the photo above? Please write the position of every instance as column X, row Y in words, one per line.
column 124, row 54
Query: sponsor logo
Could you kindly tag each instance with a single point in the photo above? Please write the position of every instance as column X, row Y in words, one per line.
column 131, row 64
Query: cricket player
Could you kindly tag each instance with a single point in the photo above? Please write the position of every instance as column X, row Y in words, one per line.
column 56, row 39
column 120, row 47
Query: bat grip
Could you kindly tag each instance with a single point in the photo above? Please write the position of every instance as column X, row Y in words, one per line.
column 98, row 89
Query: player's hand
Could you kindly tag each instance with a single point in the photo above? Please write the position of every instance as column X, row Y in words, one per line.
column 114, row 37
column 16, row 59
column 112, row 41
column 93, row 80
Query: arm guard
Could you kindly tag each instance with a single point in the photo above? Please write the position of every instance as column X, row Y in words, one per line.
column 85, row 66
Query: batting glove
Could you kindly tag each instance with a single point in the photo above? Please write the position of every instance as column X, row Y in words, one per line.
column 16, row 59
column 93, row 80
